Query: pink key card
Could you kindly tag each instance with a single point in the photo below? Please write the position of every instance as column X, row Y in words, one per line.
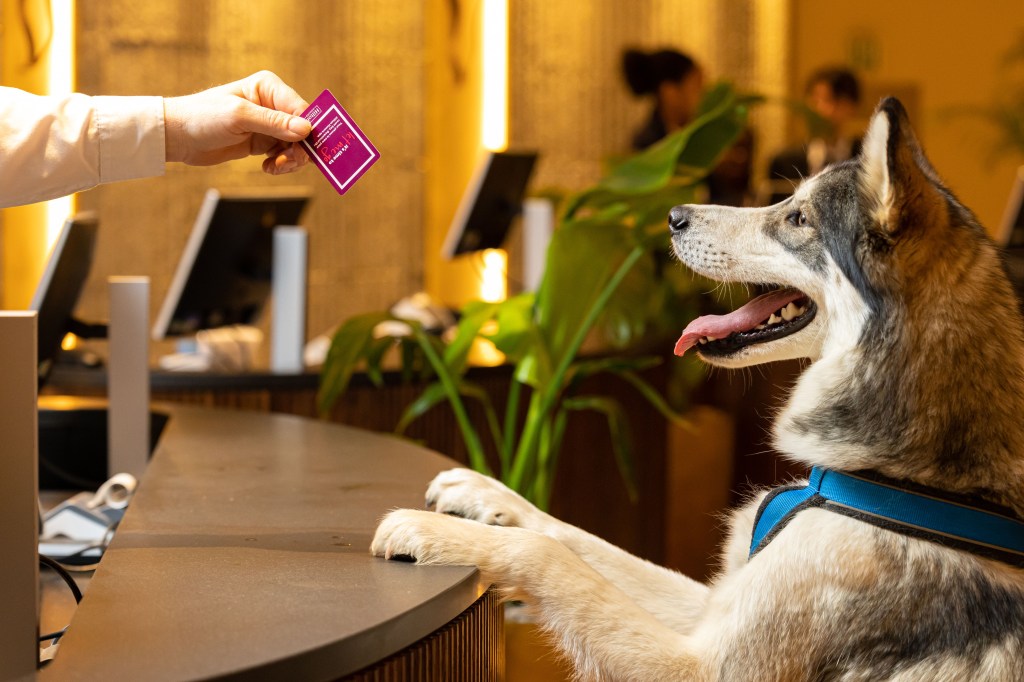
column 336, row 144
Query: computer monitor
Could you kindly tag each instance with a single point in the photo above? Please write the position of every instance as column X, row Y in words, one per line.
column 55, row 298
column 492, row 199
column 224, row 275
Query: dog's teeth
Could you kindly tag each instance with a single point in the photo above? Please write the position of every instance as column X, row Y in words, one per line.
column 703, row 340
column 789, row 312
column 760, row 326
column 774, row 319
column 712, row 338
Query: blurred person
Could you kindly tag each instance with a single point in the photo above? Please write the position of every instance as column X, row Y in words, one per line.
column 833, row 94
column 676, row 83
column 673, row 80
column 52, row 146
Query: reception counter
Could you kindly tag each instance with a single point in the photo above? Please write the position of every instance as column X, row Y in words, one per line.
column 244, row 554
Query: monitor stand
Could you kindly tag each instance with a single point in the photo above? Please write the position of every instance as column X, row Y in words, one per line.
column 19, row 503
column 128, row 376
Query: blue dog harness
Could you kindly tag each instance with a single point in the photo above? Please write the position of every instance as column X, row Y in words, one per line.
column 972, row 525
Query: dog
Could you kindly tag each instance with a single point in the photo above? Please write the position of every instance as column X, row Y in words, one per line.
column 893, row 292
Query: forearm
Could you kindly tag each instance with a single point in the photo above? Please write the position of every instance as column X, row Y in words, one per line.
column 674, row 599
column 54, row 146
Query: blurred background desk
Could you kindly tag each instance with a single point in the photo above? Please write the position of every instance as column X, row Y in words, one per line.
column 245, row 554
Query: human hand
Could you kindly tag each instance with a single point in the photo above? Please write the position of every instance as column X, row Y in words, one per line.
column 256, row 115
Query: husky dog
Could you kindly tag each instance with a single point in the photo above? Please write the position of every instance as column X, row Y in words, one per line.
column 892, row 290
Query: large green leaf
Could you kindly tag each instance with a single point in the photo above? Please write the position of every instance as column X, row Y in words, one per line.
column 720, row 119
column 651, row 168
column 430, row 346
column 581, row 258
column 375, row 357
column 584, row 369
column 515, row 321
column 348, row 347
column 431, row 396
column 474, row 316
column 435, row 394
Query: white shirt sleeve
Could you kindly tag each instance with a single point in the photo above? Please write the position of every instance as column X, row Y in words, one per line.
column 54, row 146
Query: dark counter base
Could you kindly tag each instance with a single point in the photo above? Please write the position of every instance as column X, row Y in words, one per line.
column 470, row 648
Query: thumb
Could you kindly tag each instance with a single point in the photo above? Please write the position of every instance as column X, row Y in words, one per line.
column 253, row 118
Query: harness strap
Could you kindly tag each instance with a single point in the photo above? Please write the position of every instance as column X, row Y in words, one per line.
column 924, row 513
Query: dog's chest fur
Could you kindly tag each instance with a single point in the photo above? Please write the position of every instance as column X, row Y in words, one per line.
column 833, row 598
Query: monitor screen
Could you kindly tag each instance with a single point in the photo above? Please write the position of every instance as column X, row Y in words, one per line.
column 224, row 275
column 55, row 298
column 493, row 198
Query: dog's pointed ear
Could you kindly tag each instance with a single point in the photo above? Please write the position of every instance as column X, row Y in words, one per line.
column 898, row 181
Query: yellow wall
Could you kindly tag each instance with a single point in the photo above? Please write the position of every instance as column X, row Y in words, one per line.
column 942, row 54
column 24, row 227
column 452, row 146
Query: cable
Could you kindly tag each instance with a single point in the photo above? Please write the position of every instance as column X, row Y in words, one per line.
column 50, row 563
column 53, row 635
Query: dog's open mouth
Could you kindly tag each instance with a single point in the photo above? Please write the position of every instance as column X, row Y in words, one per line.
column 768, row 317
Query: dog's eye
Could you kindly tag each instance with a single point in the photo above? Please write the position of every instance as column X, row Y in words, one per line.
column 797, row 218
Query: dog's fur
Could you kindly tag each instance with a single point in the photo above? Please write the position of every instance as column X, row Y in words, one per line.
column 917, row 372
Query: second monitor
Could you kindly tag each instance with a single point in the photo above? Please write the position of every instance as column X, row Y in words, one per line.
column 224, row 275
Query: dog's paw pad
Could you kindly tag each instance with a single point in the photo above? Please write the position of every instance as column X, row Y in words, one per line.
column 404, row 558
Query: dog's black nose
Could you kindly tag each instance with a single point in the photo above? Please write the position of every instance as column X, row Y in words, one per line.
column 678, row 219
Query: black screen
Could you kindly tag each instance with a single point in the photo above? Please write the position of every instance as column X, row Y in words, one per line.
column 229, row 279
column 61, row 284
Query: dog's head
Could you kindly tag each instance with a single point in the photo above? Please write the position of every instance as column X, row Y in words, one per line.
column 830, row 255
column 875, row 272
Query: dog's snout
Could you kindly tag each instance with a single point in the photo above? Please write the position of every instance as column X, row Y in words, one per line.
column 678, row 219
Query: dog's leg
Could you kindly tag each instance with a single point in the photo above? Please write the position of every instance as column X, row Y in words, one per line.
column 599, row 627
column 674, row 599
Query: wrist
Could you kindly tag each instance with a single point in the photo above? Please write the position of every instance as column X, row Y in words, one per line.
column 173, row 126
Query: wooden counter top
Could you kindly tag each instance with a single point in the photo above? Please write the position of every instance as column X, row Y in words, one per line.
column 245, row 554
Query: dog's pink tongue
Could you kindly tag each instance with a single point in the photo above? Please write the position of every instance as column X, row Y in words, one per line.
column 746, row 318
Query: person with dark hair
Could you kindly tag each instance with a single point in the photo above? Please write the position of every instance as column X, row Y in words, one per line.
column 833, row 94
column 676, row 82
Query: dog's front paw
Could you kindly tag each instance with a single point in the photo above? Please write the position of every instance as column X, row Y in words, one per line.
column 430, row 538
column 466, row 493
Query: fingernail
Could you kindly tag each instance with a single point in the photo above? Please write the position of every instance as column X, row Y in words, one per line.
column 299, row 126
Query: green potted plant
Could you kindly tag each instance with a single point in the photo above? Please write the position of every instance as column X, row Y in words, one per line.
column 605, row 273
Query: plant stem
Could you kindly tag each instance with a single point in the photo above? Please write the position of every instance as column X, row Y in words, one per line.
column 542, row 481
column 511, row 415
column 535, row 420
column 476, row 452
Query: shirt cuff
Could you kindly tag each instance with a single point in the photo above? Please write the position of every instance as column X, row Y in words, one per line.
column 130, row 131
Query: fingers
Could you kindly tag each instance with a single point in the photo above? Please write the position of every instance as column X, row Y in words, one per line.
column 270, row 91
column 256, row 115
column 253, row 118
column 275, row 107
column 284, row 158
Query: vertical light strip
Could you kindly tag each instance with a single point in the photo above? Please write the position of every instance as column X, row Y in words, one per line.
column 61, row 81
column 495, row 75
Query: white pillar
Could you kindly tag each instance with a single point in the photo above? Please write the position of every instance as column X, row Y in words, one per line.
column 19, row 497
column 288, row 289
column 538, row 226
column 128, row 376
